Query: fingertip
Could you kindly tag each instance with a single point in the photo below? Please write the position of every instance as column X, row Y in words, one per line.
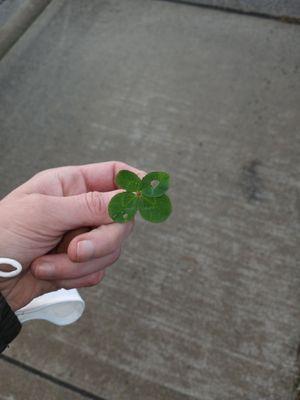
column 81, row 249
column 43, row 269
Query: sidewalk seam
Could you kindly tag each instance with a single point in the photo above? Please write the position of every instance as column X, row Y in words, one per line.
column 50, row 378
column 279, row 18
column 19, row 22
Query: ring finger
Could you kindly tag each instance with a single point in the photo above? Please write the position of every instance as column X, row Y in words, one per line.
column 59, row 266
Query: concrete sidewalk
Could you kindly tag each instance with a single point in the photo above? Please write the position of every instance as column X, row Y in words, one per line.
column 205, row 306
column 7, row 9
column 286, row 9
column 15, row 18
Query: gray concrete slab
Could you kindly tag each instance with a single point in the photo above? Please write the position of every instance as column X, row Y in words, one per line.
column 15, row 19
column 8, row 8
column 275, row 8
column 205, row 306
column 18, row 384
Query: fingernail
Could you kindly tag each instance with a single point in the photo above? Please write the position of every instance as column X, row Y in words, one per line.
column 85, row 249
column 46, row 269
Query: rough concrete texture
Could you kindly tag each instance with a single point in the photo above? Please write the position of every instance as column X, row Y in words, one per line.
column 205, row 306
column 276, row 8
column 17, row 384
column 8, row 8
column 16, row 19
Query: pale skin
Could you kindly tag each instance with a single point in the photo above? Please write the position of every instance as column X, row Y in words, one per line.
column 57, row 226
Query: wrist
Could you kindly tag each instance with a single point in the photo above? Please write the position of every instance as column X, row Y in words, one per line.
column 10, row 326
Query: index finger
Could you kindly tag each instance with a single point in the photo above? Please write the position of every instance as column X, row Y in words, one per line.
column 76, row 179
column 102, row 176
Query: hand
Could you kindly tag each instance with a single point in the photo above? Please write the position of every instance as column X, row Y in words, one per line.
column 39, row 224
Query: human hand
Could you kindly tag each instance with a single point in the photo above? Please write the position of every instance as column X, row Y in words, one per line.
column 57, row 226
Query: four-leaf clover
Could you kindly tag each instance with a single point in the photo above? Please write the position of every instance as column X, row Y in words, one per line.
column 146, row 195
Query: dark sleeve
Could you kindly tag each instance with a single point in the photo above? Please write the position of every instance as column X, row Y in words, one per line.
column 10, row 326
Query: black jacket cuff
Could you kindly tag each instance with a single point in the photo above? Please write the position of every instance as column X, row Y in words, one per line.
column 10, row 326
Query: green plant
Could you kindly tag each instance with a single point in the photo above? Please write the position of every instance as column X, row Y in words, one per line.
column 146, row 195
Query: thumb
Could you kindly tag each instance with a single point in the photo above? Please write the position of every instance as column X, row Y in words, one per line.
column 86, row 209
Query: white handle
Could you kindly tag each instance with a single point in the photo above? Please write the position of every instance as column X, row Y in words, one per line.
column 14, row 263
column 61, row 307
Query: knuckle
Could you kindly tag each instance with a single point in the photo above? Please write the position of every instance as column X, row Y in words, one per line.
column 95, row 203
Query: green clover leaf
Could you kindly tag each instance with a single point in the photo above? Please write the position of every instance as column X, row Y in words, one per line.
column 146, row 195
column 155, row 209
column 123, row 206
column 155, row 184
column 128, row 180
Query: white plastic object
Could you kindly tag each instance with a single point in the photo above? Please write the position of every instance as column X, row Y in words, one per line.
column 14, row 263
column 62, row 307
